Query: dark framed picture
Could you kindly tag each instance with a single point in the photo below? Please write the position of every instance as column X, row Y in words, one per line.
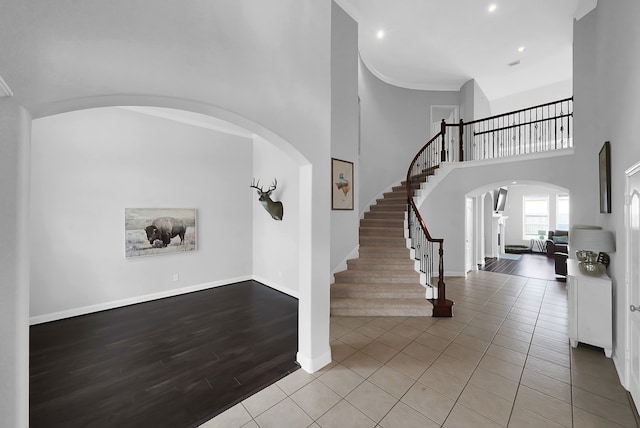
column 341, row 184
column 153, row 231
column 604, row 162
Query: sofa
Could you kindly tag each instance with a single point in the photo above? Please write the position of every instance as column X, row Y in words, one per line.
column 557, row 242
column 558, row 248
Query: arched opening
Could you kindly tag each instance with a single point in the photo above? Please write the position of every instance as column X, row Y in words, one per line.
column 296, row 184
column 530, row 210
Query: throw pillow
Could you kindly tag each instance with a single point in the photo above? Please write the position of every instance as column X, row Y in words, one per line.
column 560, row 239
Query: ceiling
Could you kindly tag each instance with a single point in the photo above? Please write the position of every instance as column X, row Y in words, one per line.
column 441, row 44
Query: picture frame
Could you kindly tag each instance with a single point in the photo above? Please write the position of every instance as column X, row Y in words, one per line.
column 155, row 231
column 604, row 174
column 341, row 184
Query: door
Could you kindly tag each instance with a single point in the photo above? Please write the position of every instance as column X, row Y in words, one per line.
column 468, row 236
column 632, row 231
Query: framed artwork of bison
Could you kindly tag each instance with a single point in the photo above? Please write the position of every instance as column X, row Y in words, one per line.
column 151, row 231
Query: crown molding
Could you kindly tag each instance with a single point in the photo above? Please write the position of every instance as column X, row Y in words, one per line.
column 5, row 90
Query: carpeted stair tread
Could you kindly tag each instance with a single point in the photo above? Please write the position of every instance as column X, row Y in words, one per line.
column 383, row 251
column 381, row 263
column 391, row 201
column 380, row 307
column 385, row 214
column 378, row 276
column 382, row 222
column 378, row 291
column 388, row 207
column 393, row 196
column 381, row 231
column 379, row 241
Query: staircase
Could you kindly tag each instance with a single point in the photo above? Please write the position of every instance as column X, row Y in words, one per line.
column 382, row 281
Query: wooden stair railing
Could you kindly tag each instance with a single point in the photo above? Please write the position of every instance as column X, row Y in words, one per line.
column 423, row 164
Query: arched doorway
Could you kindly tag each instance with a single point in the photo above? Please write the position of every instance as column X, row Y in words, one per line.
column 510, row 225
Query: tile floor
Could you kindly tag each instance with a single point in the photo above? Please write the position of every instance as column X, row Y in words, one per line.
column 502, row 361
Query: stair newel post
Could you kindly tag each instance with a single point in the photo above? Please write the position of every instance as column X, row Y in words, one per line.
column 443, row 131
column 442, row 307
column 460, row 140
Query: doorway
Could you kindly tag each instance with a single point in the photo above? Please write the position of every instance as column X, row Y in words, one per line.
column 469, row 241
column 632, row 232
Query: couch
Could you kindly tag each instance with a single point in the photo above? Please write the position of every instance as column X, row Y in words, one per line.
column 560, row 260
column 558, row 248
column 557, row 242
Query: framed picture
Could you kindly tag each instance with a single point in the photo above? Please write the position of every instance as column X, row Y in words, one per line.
column 341, row 184
column 152, row 231
column 604, row 162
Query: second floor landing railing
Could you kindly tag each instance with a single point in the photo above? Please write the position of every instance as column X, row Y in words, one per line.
column 543, row 128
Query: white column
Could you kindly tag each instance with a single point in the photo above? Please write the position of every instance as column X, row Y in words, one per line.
column 314, row 351
column 15, row 143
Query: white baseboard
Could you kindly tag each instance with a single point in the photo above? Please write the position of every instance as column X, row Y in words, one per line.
column 454, row 273
column 620, row 368
column 311, row 365
column 133, row 300
column 271, row 284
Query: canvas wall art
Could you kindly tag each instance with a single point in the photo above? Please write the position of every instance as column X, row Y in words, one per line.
column 152, row 231
column 341, row 185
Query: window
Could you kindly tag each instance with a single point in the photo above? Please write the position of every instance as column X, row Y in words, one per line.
column 536, row 215
column 562, row 212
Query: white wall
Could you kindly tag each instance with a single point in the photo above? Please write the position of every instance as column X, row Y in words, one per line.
column 88, row 166
column 481, row 106
column 344, row 130
column 467, row 93
column 543, row 95
column 607, row 87
column 275, row 248
column 473, row 102
column 394, row 125
column 262, row 65
column 514, row 209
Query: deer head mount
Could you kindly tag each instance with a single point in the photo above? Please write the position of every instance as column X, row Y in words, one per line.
column 273, row 208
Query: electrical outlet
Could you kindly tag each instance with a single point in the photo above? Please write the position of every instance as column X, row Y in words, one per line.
column 176, row 277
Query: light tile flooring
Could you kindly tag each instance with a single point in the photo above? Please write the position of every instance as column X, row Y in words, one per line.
column 502, row 361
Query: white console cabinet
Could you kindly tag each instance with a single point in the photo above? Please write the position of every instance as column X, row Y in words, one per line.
column 590, row 317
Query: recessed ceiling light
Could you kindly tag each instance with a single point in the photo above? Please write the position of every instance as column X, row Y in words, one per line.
column 380, row 34
column 521, row 49
column 493, row 7
column 514, row 182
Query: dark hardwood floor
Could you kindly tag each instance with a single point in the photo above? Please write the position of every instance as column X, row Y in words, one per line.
column 175, row 362
column 532, row 265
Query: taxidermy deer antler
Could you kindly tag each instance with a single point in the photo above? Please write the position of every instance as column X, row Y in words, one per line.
column 274, row 208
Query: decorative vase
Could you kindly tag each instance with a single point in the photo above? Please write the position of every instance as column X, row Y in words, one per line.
column 590, row 265
column 581, row 255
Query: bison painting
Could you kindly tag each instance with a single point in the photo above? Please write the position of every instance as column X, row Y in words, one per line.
column 165, row 228
column 150, row 231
